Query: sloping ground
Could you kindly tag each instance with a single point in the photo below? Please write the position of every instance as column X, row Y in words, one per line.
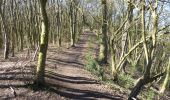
column 65, row 76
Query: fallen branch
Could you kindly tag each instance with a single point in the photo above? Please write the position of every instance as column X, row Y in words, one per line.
column 35, row 54
column 13, row 92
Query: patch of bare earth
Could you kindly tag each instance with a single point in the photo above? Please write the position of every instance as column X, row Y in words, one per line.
column 65, row 76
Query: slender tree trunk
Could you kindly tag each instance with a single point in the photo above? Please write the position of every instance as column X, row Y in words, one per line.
column 1, row 37
column 113, row 60
column 6, row 33
column 165, row 83
column 136, row 90
column 59, row 23
column 12, row 30
column 43, row 44
column 72, row 24
column 103, row 45
column 126, row 36
column 75, row 21
column 149, row 52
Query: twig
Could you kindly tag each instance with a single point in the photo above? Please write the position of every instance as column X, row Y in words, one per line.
column 35, row 54
column 13, row 91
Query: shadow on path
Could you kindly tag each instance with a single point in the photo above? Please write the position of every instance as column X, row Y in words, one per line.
column 70, row 79
column 65, row 85
column 78, row 94
column 56, row 82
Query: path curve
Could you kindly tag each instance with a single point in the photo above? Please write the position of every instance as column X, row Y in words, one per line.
column 70, row 77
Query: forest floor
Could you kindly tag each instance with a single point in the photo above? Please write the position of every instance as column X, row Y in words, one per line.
column 66, row 76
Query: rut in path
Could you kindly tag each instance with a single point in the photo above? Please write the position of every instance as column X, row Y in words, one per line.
column 68, row 77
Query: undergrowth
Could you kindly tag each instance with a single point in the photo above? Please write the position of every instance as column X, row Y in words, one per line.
column 93, row 66
column 150, row 95
column 91, row 63
column 125, row 81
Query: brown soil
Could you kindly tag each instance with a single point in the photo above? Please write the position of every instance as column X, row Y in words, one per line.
column 65, row 76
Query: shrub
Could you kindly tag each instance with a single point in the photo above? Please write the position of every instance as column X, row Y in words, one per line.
column 125, row 81
column 93, row 66
column 150, row 95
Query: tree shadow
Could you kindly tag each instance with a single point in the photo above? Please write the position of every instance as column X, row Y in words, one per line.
column 14, row 75
column 66, row 62
column 58, row 88
column 64, row 91
column 72, row 93
column 70, row 79
column 14, row 85
column 79, row 94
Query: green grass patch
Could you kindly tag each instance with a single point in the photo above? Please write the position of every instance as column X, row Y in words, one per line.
column 150, row 95
column 93, row 66
column 91, row 63
column 125, row 81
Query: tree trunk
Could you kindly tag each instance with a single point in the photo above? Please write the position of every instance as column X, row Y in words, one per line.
column 113, row 52
column 136, row 90
column 126, row 35
column 59, row 23
column 72, row 24
column 103, row 45
column 43, row 45
column 165, row 83
column 149, row 52
column 6, row 33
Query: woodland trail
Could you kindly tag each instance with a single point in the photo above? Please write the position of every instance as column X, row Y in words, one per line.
column 66, row 77
column 69, row 75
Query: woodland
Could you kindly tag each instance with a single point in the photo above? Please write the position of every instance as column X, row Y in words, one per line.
column 85, row 49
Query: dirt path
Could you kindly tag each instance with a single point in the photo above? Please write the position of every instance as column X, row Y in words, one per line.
column 65, row 75
column 73, row 80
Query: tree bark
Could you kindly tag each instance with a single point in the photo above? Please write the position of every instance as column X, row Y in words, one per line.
column 103, row 50
column 6, row 33
column 165, row 83
column 43, row 45
column 149, row 52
